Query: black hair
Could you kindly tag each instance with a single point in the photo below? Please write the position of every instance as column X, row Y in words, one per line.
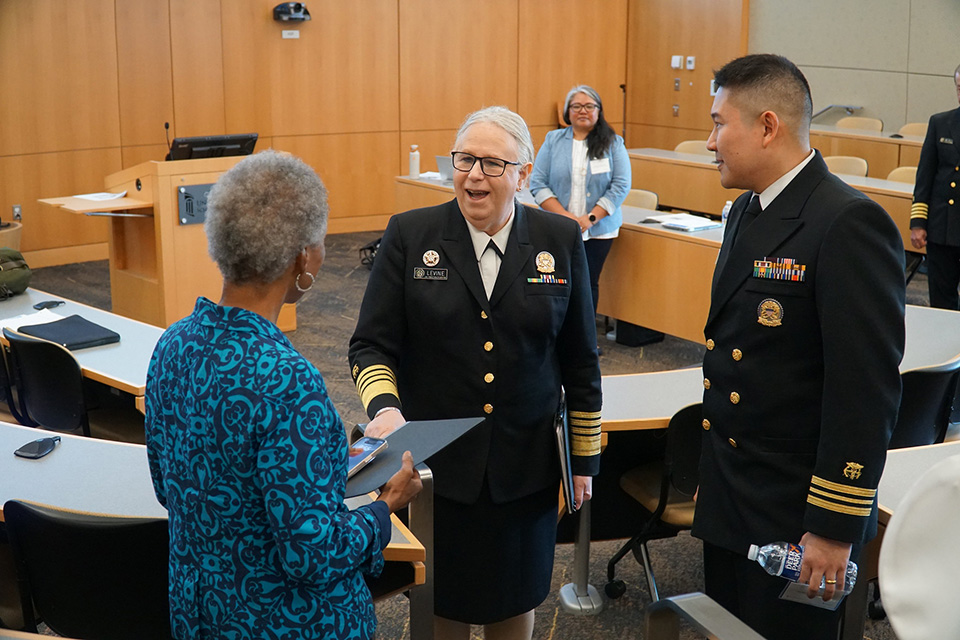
column 778, row 79
column 601, row 137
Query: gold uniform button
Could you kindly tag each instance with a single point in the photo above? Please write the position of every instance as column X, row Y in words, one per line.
column 734, row 397
column 488, row 408
column 706, row 383
column 488, row 378
column 953, row 184
column 706, row 425
column 483, row 314
column 710, row 345
column 733, row 443
column 488, row 346
column 737, row 354
column 956, row 168
column 950, row 201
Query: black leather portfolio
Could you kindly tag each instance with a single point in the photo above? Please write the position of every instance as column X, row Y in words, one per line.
column 73, row 332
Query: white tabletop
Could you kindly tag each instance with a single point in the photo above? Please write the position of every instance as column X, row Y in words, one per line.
column 122, row 365
column 904, row 467
column 879, row 136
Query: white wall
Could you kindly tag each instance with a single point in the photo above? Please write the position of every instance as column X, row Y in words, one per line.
column 895, row 58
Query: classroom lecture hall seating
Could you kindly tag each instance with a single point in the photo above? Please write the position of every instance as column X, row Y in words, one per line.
column 642, row 198
column 903, row 174
column 913, row 129
column 665, row 489
column 859, row 122
column 90, row 576
column 849, row 165
column 698, row 147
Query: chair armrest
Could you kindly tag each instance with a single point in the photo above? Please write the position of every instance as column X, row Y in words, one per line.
column 702, row 612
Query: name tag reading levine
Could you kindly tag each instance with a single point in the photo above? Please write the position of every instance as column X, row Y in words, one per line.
column 426, row 273
column 600, row 165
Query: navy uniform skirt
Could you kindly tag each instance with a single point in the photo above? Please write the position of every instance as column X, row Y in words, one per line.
column 493, row 561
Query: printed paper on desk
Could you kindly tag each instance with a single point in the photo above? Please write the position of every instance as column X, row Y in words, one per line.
column 101, row 197
column 39, row 317
column 687, row 222
column 600, row 165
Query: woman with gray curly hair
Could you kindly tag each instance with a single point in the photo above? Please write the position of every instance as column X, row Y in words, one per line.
column 246, row 450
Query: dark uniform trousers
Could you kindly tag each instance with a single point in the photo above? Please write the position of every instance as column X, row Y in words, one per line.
column 936, row 207
column 801, row 387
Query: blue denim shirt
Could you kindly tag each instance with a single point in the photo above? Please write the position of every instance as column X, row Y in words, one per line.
column 552, row 173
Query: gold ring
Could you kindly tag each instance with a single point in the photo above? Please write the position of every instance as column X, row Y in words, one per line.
column 831, row 581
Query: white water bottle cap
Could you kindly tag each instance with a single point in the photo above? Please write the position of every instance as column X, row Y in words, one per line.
column 753, row 552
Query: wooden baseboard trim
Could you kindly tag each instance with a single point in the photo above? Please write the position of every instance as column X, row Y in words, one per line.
column 67, row 255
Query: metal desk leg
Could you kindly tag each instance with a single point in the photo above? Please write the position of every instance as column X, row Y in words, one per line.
column 580, row 597
column 420, row 514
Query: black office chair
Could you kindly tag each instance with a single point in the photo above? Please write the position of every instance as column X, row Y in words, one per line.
column 666, row 489
column 926, row 403
column 91, row 576
column 49, row 384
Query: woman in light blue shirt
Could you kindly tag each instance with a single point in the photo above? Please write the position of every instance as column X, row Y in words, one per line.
column 583, row 172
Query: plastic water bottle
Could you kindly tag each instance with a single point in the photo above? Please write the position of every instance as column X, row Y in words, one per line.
column 784, row 559
column 726, row 212
column 414, row 161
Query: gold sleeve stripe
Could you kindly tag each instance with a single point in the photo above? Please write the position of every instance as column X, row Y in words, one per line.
column 833, row 496
column 581, row 446
column 919, row 210
column 374, row 381
column 843, row 488
column 592, row 431
column 585, row 423
column 840, row 508
column 586, row 415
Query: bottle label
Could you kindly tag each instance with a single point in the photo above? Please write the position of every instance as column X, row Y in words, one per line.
column 791, row 564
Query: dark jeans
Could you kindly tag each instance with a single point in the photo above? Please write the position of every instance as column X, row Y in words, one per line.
column 597, row 251
column 943, row 275
column 743, row 588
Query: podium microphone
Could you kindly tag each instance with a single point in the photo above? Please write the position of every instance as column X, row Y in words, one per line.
column 166, row 132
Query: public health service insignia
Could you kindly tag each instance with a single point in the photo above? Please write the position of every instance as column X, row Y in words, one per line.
column 770, row 313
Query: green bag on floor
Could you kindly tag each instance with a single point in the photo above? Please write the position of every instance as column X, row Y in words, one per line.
column 14, row 273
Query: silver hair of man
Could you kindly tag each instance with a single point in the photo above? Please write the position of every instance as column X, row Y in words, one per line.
column 585, row 89
column 507, row 120
column 261, row 214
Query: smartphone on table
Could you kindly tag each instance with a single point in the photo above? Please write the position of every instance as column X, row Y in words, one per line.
column 362, row 452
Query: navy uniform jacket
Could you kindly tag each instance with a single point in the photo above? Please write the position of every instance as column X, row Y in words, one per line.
column 801, row 376
column 936, row 195
column 427, row 336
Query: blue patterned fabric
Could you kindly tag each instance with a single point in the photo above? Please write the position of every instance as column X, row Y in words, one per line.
column 249, row 457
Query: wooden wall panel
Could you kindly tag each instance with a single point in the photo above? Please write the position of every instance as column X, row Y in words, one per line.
column 144, row 70
column 24, row 179
column 358, row 169
column 455, row 57
column 568, row 44
column 431, row 143
column 710, row 30
column 340, row 76
column 133, row 156
column 58, row 69
column 642, row 135
column 195, row 42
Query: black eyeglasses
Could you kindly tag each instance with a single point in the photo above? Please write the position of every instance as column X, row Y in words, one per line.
column 589, row 108
column 491, row 167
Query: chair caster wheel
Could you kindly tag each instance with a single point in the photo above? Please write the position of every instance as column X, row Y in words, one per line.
column 875, row 610
column 614, row 589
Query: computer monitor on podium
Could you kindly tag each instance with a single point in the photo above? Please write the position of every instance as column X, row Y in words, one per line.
column 236, row 144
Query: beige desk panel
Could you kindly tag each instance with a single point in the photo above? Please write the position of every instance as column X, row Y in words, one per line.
column 682, row 185
column 909, row 156
column 881, row 157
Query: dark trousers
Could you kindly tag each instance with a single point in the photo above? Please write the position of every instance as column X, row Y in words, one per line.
column 597, row 251
column 943, row 275
column 747, row 591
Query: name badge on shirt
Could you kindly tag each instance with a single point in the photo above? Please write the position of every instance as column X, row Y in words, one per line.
column 946, row 140
column 600, row 165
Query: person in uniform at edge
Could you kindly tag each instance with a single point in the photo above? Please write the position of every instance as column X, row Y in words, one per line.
column 804, row 339
column 935, row 214
column 482, row 307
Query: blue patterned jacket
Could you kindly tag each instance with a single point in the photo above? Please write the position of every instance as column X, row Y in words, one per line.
column 249, row 457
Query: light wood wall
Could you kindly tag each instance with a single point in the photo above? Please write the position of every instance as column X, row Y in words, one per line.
column 86, row 86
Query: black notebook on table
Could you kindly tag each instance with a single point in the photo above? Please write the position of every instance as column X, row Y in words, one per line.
column 73, row 332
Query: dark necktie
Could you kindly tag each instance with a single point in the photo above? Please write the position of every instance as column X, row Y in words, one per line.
column 749, row 215
column 489, row 267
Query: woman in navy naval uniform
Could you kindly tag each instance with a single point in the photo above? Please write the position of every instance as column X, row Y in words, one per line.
column 482, row 306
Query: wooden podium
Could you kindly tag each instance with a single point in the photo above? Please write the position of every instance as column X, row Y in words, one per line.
column 159, row 263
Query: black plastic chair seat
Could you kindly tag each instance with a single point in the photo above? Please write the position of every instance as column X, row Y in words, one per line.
column 644, row 483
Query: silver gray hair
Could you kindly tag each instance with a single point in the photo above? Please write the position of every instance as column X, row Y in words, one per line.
column 262, row 213
column 580, row 88
column 507, row 120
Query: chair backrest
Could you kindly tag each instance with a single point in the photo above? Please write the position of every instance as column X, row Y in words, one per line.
column 91, row 576
column 6, row 388
column 859, row 122
column 903, row 174
column 642, row 198
column 850, row 165
column 693, row 146
column 913, row 129
column 49, row 383
column 682, row 456
column 925, row 404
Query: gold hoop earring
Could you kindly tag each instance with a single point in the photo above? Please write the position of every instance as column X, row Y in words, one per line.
column 296, row 281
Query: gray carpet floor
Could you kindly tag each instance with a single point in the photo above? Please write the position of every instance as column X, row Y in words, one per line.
column 326, row 319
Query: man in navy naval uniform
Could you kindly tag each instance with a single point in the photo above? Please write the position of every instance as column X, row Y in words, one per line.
column 935, row 214
column 804, row 340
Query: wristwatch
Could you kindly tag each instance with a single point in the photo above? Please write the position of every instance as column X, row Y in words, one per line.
column 592, row 218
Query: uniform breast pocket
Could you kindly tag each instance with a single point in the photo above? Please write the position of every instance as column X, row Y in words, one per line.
column 779, row 287
column 543, row 289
